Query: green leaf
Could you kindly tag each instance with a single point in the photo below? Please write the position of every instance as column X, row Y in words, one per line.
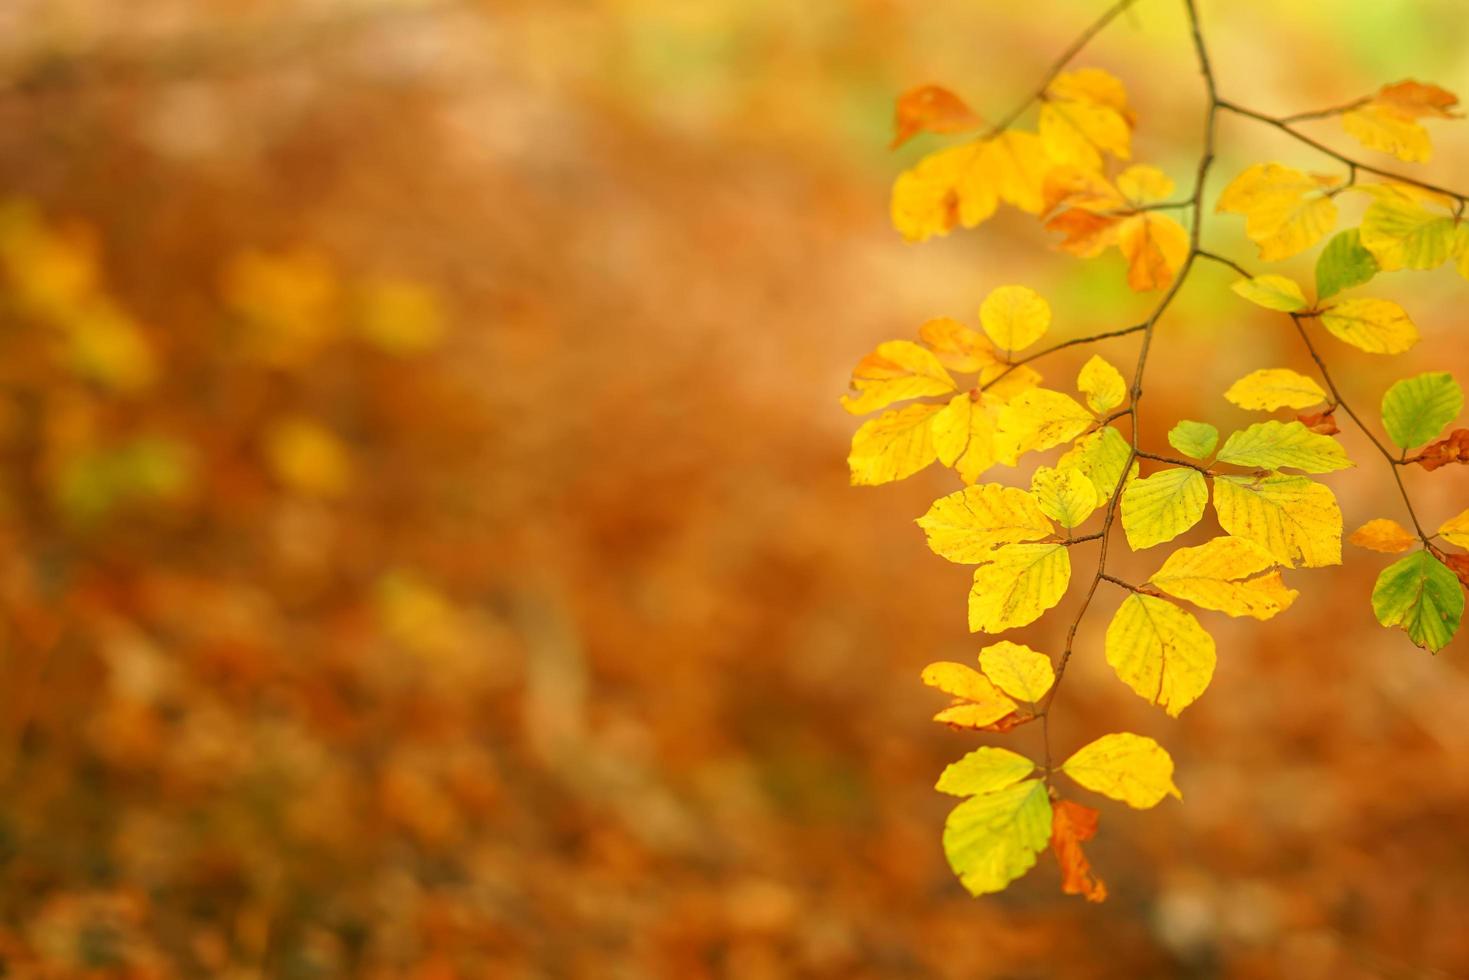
column 1195, row 440
column 1272, row 292
column 1344, row 263
column 984, row 771
column 1277, row 445
column 992, row 839
column 1421, row 596
column 1415, row 410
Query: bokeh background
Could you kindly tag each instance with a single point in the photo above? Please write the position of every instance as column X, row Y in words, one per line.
column 425, row 541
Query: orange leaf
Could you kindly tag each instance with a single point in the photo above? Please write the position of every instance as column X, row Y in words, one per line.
column 1415, row 99
column 1087, row 234
column 1322, row 423
column 1452, row 448
column 931, row 109
column 1071, row 824
column 1155, row 246
column 1459, row 565
column 1386, row 536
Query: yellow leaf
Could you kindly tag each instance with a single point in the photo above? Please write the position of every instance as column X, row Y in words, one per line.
column 893, row 446
column 1102, row 384
column 1014, row 317
column 964, row 436
column 896, row 371
column 1160, row 507
column 1066, row 496
column 1272, row 388
column 1002, row 386
column 1131, row 768
column 967, row 525
column 1101, row 457
column 1286, row 211
column 1017, row 670
column 1389, row 121
column 1217, row 575
column 1016, row 584
column 1015, row 163
column 1084, row 115
column 958, row 347
column 1155, row 247
column 1142, row 184
column 1377, row 326
column 308, row 458
column 993, row 838
column 1272, row 292
column 977, row 701
column 1036, row 420
column 984, row 770
column 1402, row 234
column 1292, row 517
column 941, row 192
column 1386, row 536
column 1160, row 651
column 1456, row 530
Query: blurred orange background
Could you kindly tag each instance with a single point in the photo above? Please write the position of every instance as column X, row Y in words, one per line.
column 425, row 540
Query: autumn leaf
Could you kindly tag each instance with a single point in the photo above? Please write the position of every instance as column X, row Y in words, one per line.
column 1083, row 115
column 977, row 702
column 1421, row 596
column 1160, row 651
column 1271, row 388
column 959, row 348
column 1101, row 457
column 1276, row 445
column 1323, row 422
column 1399, row 233
column 1014, row 317
column 1272, row 292
column 1389, row 120
column 1377, row 326
column 1416, row 409
column 893, row 446
column 897, row 370
column 1133, row 769
column 993, row 838
column 964, row 435
column 1017, row 670
column 1292, row 517
column 1383, row 535
column 1343, row 263
column 1102, row 384
column 963, row 185
column 1016, row 584
column 1066, row 496
column 931, row 109
column 1101, row 216
column 967, row 525
column 1160, row 507
column 1452, row 448
column 1196, row 440
column 1285, row 211
column 1072, row 825
column 1038, row 419
column 1455, row 530
column 1225, row 575
column 1155, row 247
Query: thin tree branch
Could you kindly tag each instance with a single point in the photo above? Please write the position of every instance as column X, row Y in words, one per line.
column 1327, row 113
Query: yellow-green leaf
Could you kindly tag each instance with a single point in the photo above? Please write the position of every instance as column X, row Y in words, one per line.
column 967, row 525
column 1455, row 530
column 1160, row 651
column 1224, row 575
column 1272, row 292
column 1416, row 409
column 1377, row 326
column 1014, row 317
column 1160, row 507
column 1101, row 457
column 1421, row 596
column 893, row 446
column 1131, row 768
column 1272, row 388
column 1286, row 211
column 1292, row 517
column 977, row 702
column 897, row 370
column 1343, row 263
column 1016, row 585
column 1195, row 440
column 1102, row 384
column 984, row 770
column 994, row 838
column 1402, row 234
column 1384, row 535
column 1017, row 670
column 1276, row 445
column 1038, row 419
column 1066, row 496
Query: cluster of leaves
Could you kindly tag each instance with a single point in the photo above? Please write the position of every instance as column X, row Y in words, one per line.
column 970, row 400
